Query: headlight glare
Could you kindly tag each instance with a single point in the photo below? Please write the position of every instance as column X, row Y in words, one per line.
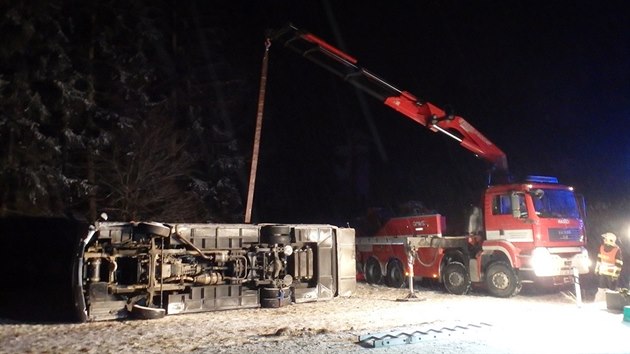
column 542, row 262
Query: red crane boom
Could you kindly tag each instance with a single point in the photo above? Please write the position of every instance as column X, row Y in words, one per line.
column 425, row 113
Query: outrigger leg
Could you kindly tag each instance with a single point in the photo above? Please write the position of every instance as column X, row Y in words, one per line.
column 411, row 252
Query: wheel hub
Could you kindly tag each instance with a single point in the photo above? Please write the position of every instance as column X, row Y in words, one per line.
column 500, row 281
column 455, row 279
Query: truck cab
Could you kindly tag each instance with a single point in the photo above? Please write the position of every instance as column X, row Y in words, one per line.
column 537, row 228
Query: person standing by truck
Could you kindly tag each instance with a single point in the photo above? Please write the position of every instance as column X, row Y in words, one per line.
column 609, row 262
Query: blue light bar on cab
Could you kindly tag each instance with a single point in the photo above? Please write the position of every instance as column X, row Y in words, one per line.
column 542, row 179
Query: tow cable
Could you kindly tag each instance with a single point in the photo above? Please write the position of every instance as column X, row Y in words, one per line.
column 259, row 118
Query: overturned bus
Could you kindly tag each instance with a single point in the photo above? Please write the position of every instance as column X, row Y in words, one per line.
column 63, row 269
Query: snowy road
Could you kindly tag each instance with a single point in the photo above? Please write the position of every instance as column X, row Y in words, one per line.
column 547, row 323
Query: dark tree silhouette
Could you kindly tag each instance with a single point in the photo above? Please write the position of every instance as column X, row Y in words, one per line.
column 38, row 104
column 98, row 94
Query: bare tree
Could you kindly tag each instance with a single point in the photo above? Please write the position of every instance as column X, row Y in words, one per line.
column 148, row 174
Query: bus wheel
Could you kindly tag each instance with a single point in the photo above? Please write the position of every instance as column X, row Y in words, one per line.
column 501, row 280
column 395, row 276
column 153, row 228
column 373, row 273
column 275, row 234
column 147, row 313
column 275, row 297
column 456, row 278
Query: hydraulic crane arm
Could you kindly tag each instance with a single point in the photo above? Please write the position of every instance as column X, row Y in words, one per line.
column 345, row 66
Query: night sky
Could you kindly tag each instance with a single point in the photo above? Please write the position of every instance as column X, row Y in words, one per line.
column 547, row 81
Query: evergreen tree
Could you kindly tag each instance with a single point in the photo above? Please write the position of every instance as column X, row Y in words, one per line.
column 37, row 98
column 111, row 105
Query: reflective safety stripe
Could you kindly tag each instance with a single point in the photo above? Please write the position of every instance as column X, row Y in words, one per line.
column 608, row 256
column 520, row 235
column 609, row 269
column 607, row 263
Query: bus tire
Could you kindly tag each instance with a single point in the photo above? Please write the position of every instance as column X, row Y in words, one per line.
column 147, row 313
column 153, row 228
column 275, row 234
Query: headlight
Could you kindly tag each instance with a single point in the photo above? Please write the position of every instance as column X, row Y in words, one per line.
column 542, row 262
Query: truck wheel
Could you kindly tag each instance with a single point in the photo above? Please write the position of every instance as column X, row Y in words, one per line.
column 456, row 278
column 153, row 228
column 373, row 273
column 395, row 276
column 275, row 234
column 501, row 280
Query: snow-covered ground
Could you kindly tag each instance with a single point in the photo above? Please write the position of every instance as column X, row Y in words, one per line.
column 475, row 323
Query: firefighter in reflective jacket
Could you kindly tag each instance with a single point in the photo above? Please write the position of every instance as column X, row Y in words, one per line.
column 609, row 262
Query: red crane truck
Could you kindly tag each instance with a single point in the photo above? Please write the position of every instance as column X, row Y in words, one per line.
column 527, row 232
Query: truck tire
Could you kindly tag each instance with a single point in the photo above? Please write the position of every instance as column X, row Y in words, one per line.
column 373, row 273
column 456, row 278
column 501, row 280
column 275, row 234
column 395, row 275
column 153, row 228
